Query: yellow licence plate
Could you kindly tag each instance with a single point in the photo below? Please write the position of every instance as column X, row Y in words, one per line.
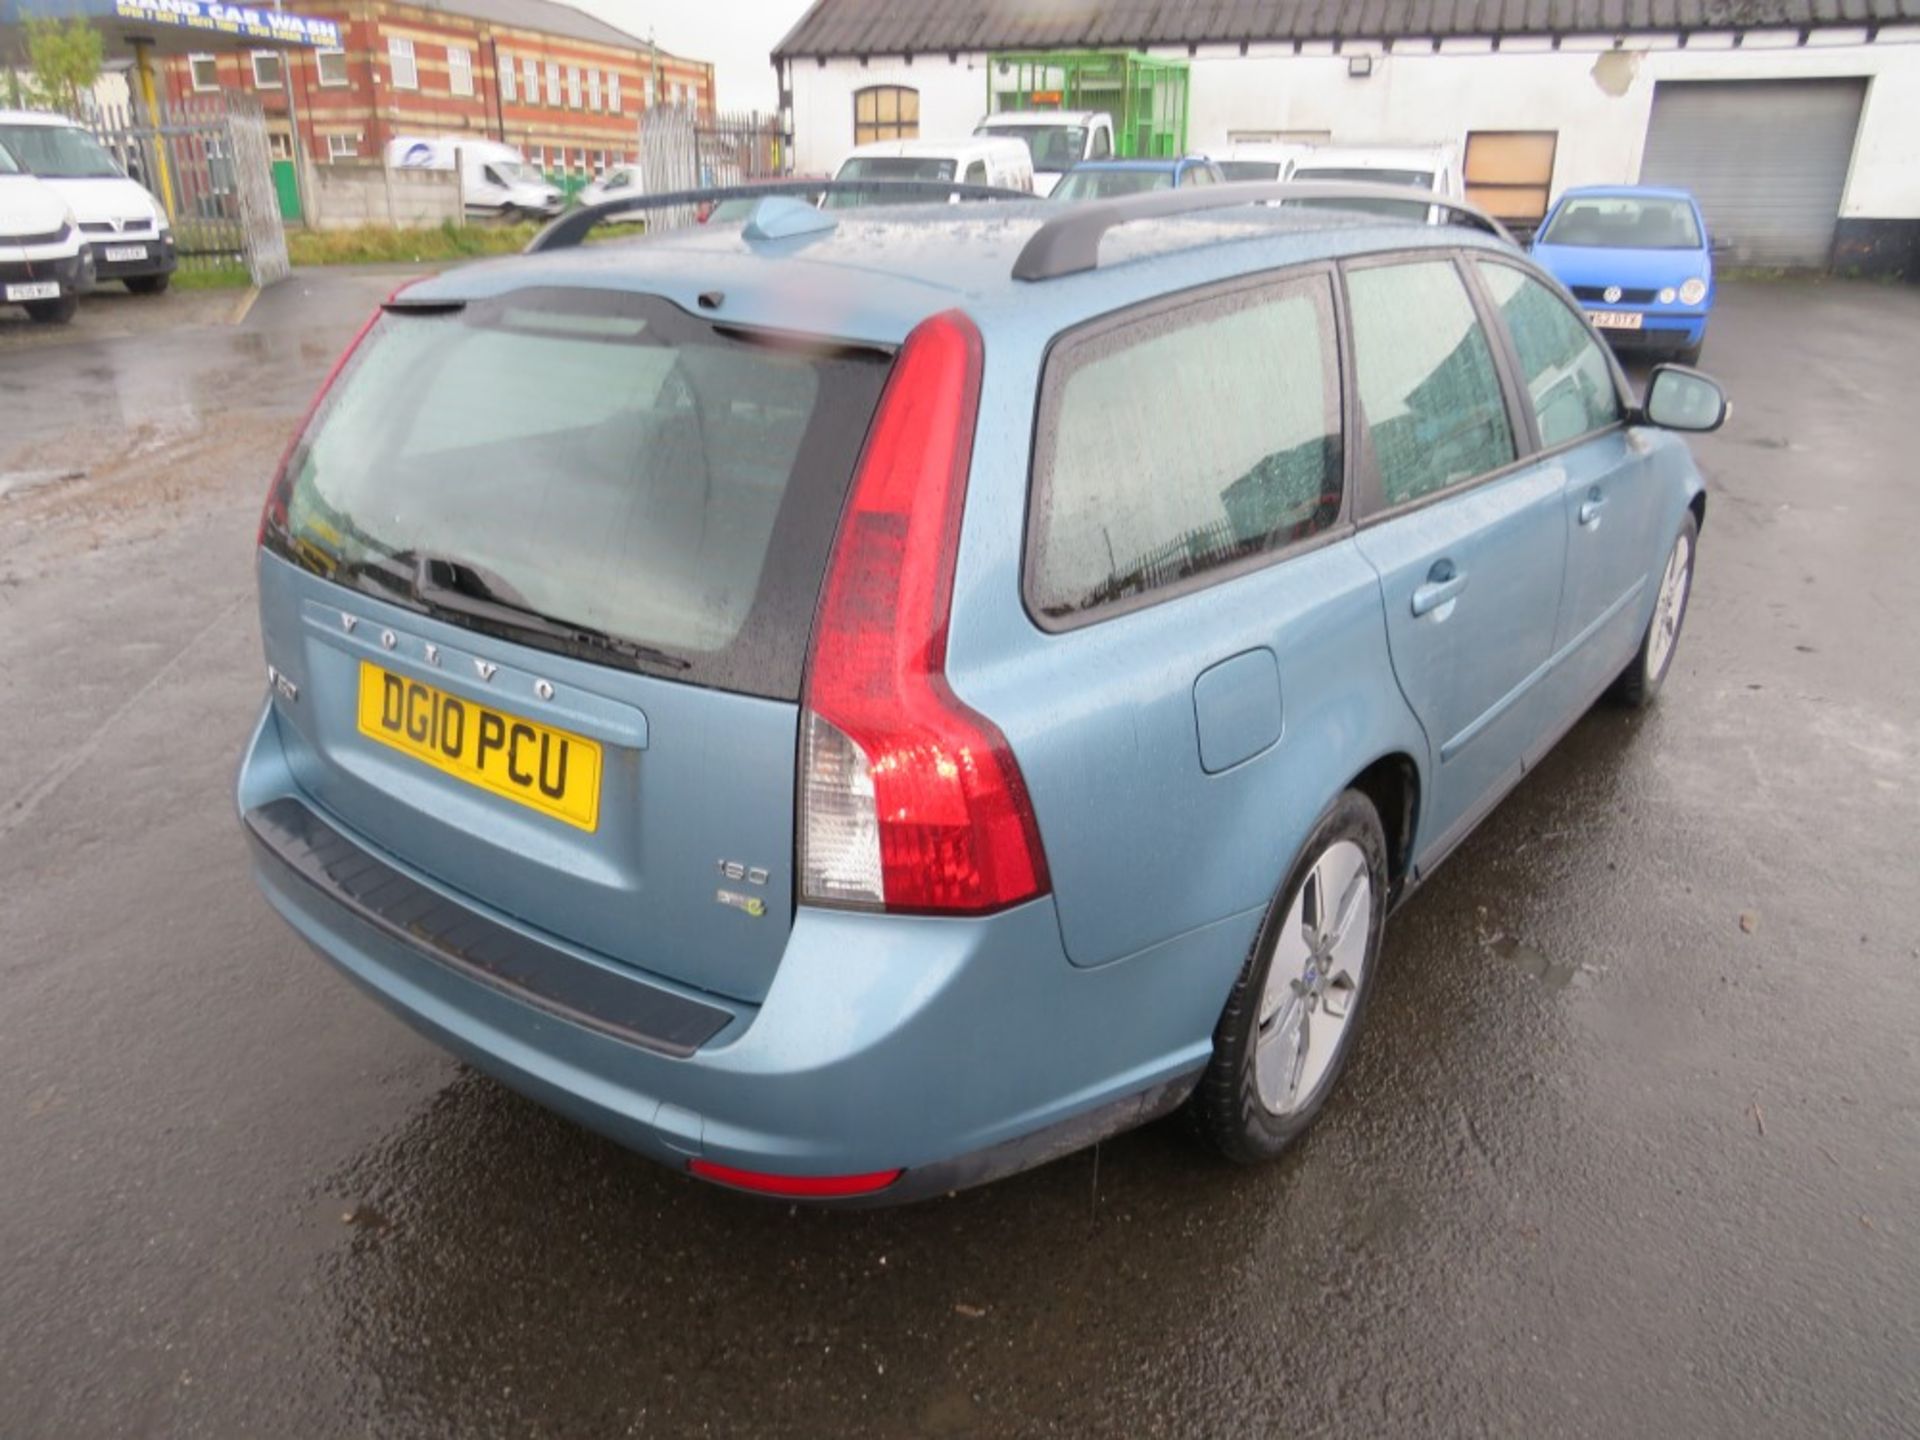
column 549, row 770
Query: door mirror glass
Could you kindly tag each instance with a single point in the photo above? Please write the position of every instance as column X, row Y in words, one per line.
column 1681, row 399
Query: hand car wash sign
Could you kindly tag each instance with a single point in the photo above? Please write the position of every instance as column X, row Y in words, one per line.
column 244, row 21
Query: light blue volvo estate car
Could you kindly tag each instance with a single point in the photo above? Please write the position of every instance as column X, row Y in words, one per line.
column 861, row 702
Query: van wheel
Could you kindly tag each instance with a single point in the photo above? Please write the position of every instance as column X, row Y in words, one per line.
column 1289, row 1024
column 1639, row 683
column 54, row 312
column 148, row 284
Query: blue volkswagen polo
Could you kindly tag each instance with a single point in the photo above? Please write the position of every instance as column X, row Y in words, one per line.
column 860, row 702
column 1639, row 259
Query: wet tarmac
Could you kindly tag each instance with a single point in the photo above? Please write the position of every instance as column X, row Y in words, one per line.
column 1630, row 1146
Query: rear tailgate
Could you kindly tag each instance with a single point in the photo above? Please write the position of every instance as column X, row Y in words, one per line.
column 541, row 574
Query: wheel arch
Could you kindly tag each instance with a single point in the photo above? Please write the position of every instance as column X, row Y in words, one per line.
column 1392, row 785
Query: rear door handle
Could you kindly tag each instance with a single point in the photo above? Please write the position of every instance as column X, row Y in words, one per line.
column 1591, row 507
column 1444, row 583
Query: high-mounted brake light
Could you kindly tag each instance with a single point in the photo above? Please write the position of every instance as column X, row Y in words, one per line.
column 910, row 800
column 274, row 513
column 799, row 1187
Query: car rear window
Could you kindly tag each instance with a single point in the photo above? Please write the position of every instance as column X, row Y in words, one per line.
column 654, row 490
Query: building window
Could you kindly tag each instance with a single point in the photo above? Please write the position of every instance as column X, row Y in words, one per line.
column 459, row 70
column 205, row 71
column 553, row 83
column 593, row 89
column 508, row 90
column 885, row 112
column 613, row 92
column 406, row 72
column 342, row 147
column 573, row 87
column 1509, row 173
column 538, row 155
column 333, row 68
column 267, row 74
column 530, row 72
column 580, row 161
column 280, row 144
column 652, row 91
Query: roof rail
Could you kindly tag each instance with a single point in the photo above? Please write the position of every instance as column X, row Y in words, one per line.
column 1070, row 242
column 573, row 227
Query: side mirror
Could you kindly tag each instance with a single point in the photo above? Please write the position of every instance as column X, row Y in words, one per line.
column 1683, row 399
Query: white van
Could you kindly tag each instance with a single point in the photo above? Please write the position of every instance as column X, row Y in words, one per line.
column 1424, row 167
column 495, row 179
column 45, row 265
column 1056, row 140
column 1260, row 160
column 1001, row 162
column 127, row 229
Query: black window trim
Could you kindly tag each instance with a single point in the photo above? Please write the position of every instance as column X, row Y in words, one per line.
column 1325, row 271
column 1369, row 489
column 1622, row 390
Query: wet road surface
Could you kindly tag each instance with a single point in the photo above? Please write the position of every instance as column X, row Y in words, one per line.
column 1630, row 1146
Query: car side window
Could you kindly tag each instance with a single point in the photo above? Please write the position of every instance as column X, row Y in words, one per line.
column 1426, row 377
column 1195, row 175
column 977, row 173
column 1182, row 442
column 1102, row 147
column 1567, row 373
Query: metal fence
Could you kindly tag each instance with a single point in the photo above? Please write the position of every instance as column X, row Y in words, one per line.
column 682, row 149
column 210, row 163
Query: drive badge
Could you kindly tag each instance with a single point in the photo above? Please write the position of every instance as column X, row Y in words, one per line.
column 751, row 904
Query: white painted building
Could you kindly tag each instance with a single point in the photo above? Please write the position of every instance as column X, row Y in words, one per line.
column 1802, row 138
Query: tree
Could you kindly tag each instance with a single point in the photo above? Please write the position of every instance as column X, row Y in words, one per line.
column 65, row 61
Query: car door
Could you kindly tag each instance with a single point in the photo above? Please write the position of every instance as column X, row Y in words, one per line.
column 1610, row 495
column 1466, row 536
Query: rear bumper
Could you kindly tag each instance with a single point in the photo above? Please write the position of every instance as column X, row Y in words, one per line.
column 955, row 1050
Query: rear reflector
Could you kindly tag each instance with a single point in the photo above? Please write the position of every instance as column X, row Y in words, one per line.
column 910, row 800
column 799, row 1187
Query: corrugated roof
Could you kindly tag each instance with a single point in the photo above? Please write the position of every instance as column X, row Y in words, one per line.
column 895, row 27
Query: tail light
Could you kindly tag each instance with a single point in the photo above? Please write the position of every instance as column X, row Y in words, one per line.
column 274, row 515
column 910, row 800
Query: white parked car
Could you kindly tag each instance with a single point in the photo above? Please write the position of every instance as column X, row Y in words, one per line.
column 1424, row 167
column 976, row 161
column 127, row 229
column 45, row 265
column 1057, row 140
column 622, row 182
column 1260, row 160
column 495, row 179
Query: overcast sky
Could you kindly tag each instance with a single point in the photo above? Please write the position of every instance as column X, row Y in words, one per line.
column 736, row 35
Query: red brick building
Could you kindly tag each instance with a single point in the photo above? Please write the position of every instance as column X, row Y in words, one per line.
column 564, row 88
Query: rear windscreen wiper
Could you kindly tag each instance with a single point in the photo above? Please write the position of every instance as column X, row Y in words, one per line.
column 461, row 588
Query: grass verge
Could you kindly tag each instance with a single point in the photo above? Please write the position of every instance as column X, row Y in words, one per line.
column 211, row 277
column 380, row 244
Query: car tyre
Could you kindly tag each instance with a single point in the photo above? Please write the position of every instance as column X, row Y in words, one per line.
column 54, row 312
column 1640, row 682
column 148, row 284
column 1290, row 1022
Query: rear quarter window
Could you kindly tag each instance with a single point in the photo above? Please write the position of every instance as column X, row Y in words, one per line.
column 1184, row 444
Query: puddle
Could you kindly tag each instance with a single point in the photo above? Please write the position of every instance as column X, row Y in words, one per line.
column 1551, row 973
